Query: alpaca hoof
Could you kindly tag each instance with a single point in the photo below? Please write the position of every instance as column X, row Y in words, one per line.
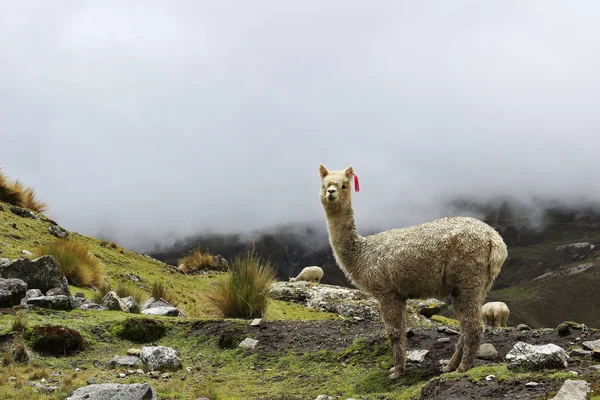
column 395, row 375
column 461, row 368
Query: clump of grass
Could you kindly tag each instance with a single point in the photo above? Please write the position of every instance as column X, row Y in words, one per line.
column 108, row 244
column 245, row 294
column 76, row 263
column 19, row 324
column 100, row 292
column 36, row 371
column 18, row 350
column 16, row 193
column 160, row 290
column 7, row 192
column 196, row 261
column 126, row 291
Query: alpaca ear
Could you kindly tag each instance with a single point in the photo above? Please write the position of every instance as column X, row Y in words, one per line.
column 323, row 171
column 349, row 172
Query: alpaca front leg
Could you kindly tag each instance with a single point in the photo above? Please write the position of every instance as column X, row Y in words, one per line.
column 393, row 311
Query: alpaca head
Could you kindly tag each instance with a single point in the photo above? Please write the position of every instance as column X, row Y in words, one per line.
column 335, row 188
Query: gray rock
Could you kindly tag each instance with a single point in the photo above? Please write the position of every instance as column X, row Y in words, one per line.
column 23, row 212
column 113, row 302
column 114, row 391
column 11, row 292
column 59, row 302
column 92, row 307
column 532, row 384
column 58, row 231
column 580, row 353
column 160, row 358
column 444, row 340
column 42, row 273
column 153, row 303
column 591, row 345
column 30, row 294
column 248, row 343
column 132, row 304
column 43, row 388
column 428, row 308
column 416, row 355
column 487, row 352
column 4, row 261
column 164, row 311
column 537, row 357
column 256, row 322
column 62, row 289
column 124, row 362
column 573, row 390
column 79, row 295
column 523, row 327
column 76, row 302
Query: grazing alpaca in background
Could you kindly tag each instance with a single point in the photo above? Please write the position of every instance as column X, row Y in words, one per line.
column 309, row 274
column 495, row 313
column 458, row 257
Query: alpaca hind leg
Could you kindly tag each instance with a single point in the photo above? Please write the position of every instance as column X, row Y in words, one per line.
column 471, row 328
column 393, row 311
column 456, row 357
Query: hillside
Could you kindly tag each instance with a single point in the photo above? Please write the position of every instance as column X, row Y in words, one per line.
column 532, row 236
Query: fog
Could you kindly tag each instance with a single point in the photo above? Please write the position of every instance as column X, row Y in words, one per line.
column 144, row 122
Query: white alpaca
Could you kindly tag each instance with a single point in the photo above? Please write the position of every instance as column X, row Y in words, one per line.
column 458, row 257
column 309, row 274
column 495, row 313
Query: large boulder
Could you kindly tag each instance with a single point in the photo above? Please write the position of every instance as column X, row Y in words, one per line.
column 42, row 273
column 113, row 302
column 30, row 294
column 124, row 362
column 114, row 391
column 573, row 390
column 58, row 302
column 160, row 358
column 57, row 231
column 574, row 251
column 11, row 292
column 537, row 357
column 132, row 304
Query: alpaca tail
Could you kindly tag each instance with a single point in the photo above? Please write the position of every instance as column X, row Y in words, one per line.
column 498, row 254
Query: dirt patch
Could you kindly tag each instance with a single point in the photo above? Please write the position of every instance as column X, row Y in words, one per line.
column 509, row 389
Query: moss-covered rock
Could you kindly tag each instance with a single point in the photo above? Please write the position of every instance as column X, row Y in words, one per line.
column 142, row 330
column 55, row 340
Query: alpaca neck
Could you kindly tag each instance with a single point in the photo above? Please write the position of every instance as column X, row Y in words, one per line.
column 345, row 240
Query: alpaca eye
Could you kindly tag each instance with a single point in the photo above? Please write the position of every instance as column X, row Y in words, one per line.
column 343, row 186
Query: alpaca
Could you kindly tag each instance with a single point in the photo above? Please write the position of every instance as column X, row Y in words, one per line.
column 309, row 274
column 452, row 256
column 495, row 313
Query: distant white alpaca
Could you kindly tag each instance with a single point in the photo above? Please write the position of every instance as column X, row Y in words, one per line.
column 495, row 313
column 309, row 274
column 458, row 257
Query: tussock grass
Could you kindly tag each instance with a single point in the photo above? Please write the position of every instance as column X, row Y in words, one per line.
column 160, row 290
column 196, row 261
column 16, row 193
column 122, row 291
column 19, row 324
column 79, row 266
column 245, row 294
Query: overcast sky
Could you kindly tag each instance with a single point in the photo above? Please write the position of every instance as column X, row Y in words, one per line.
column 148, row 120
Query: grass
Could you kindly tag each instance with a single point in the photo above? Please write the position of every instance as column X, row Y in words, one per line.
column 161, row 291
column 245, row 293
column 76, row 263
column 19, row 324
column 196, row 261
column 16, row 193
column 122, row 291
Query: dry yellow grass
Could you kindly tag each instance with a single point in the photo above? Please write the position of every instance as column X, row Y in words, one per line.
column 79, row 266
column 196, row 261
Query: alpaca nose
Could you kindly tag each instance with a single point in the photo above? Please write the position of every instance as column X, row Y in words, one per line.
column 331, row 190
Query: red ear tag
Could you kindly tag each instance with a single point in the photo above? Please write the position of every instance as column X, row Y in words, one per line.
column 356, row 186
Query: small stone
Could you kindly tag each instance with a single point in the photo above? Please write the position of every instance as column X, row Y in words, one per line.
column 441, row 329
column 444, row 340
column 166, row 375
column 416, row 355
column 256, row 322
column 449, row 331
column 154, row 373
column 324, row 397
column 487, row 352
column 580, row 353
column 139, row 371
column 490, row 377
column 91, row 381
column 26, row 252
column 591, row 345
column 130, row 372
column 248, row 343
column 122, row 375
column 43, row 380
column 12, row 378
column 77, row 369
column 531, row 384
column 523, row 327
